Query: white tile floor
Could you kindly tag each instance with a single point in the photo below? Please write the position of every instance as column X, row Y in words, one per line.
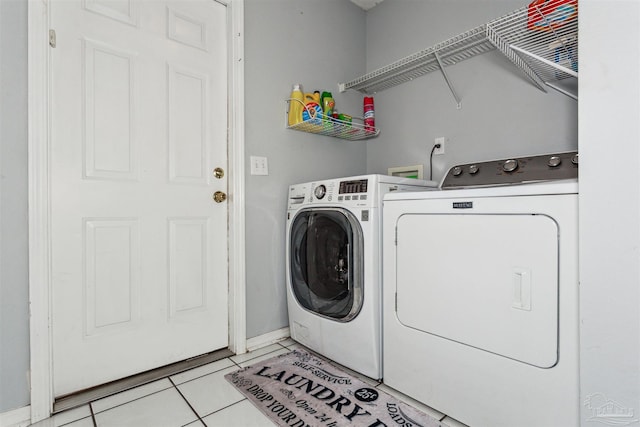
column 198, row 397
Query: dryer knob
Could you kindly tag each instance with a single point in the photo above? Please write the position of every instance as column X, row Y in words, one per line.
column 575, row 159
column 456, row 171
column 474, row 169
column 510, row 165
column 320, row 191
column 554, row 161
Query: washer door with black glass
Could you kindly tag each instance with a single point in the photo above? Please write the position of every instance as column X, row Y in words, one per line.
column 326, row 262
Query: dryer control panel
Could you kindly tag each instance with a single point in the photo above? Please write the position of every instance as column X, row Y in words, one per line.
column 520, row 170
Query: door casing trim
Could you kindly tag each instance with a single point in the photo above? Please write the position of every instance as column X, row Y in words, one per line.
column 38, row 22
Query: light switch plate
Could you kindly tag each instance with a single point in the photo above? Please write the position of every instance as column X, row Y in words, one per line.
column 259, row 165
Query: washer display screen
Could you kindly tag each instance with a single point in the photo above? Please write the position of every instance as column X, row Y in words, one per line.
column 357, row 186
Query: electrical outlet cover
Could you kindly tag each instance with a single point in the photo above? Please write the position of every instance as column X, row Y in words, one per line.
column 442, row 141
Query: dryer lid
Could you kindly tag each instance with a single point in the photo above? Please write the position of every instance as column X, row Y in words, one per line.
column 488, row 281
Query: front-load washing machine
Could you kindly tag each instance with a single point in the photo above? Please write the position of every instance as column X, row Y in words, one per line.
column 481, row 293
column 334, row 266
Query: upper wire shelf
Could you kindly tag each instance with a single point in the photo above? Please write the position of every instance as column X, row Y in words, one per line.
column 541, row 39
column 452, row 51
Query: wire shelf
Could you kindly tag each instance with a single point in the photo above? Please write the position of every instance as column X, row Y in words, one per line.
column 541, row 40
column 547, row 51
column 456, row 49
column 329, row 126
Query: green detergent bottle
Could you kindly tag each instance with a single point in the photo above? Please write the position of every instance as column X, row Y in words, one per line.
column 328, row 105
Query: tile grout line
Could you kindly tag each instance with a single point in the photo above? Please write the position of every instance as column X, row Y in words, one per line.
column 173, row 385
column 248, row 360
column 178, row 390
column 410, row 404
column 203, row 375
column 134, row 381
column 187, row 402
column 93, row 416
column 132, row 400
column 226, row 407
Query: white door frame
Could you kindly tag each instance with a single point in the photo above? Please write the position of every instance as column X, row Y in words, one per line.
column 39, row 197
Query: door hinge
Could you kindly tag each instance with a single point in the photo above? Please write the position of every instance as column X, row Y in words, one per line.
column 52, row 38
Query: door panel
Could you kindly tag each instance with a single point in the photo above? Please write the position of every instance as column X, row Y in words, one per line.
column 112, row 249
column 108, row 112
column 139, row 248
column 187, row 126
column 487, row 281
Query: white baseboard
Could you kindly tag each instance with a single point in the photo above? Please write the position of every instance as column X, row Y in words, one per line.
column 20, row 417
column 268, row 338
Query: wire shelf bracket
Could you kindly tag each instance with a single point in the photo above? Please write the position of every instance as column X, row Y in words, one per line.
column 546, row 52
column 446, row 78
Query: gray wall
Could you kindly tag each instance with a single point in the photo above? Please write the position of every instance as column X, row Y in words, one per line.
column 316, row 43
column 502, row 113
column 14, row 289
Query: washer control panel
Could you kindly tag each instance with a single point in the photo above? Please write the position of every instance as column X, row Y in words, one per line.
column 519, row 170
column 355, row 192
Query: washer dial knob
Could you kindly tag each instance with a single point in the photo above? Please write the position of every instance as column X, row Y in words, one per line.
column 320, row 191
column 473, row 169
column 456, row 171
column 510, row 165
column 554, row 161
column 575, row 159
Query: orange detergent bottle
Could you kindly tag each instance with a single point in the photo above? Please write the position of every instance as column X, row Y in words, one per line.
column 312, row 111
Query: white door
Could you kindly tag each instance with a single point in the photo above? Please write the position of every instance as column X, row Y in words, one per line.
column 138, row 125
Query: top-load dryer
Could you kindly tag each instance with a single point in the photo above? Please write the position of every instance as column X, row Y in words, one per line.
column 334, row 266
column 481, row 293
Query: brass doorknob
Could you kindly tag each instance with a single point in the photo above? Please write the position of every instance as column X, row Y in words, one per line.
column 218, row 173
column 219, row 196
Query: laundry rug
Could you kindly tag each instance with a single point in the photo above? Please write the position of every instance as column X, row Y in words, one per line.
column 299, row 389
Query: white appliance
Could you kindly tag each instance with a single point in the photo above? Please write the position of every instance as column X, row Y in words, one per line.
column 481, row 293
column 334, row 266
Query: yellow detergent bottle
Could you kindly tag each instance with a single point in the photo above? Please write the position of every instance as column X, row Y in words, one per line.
column 296, row 105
